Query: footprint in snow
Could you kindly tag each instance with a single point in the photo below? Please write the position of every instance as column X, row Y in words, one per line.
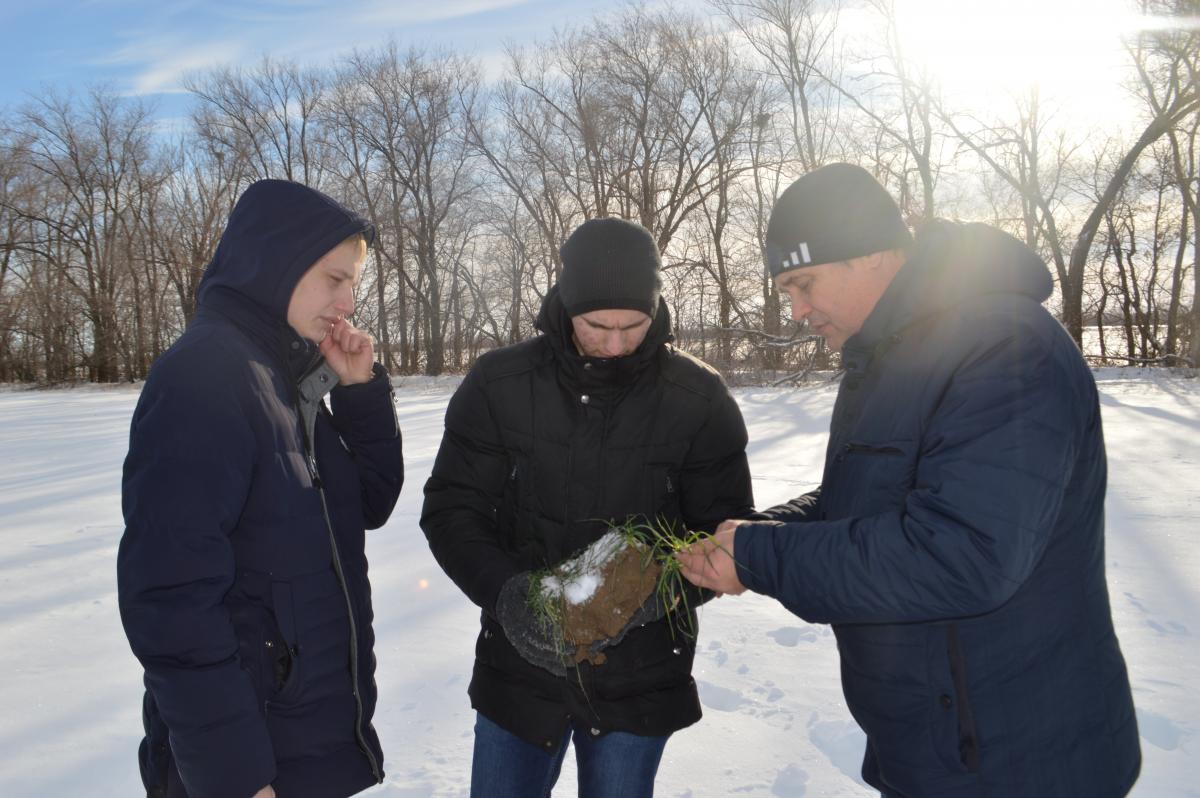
column 1160, row 731
column 842, row 742
column 791, row 636
column 1170, row 629
column 1136, row 602
column 791, row 782
column 719, row 698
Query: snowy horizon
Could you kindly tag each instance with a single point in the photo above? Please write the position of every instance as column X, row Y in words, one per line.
column 774, row 720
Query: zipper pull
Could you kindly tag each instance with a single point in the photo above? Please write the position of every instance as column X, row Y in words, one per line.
column 670, row 487
column 513, row 476
column 311, row 462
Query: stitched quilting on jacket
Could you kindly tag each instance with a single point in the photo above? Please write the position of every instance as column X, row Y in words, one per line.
column 541, row 447
column 956, row 542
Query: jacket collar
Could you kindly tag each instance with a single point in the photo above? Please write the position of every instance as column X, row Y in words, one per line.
column 293, row 353
column 599, row 374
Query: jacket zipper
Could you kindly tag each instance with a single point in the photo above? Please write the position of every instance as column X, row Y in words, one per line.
column 341, row 577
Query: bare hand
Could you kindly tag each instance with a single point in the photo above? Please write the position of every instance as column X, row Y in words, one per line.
column 265, row 792
column 709, row 562
column 349, row 351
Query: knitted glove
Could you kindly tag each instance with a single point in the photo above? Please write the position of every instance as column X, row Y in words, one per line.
column 539, row 640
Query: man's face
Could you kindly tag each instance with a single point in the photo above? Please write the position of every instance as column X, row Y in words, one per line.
column 326, row 291
column 836, row 298
column 610, row 333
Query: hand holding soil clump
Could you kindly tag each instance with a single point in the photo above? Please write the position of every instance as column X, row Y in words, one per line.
column 568, row 614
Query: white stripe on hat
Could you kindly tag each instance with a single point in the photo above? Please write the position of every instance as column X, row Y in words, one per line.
column 795, row 261
column 804, row 252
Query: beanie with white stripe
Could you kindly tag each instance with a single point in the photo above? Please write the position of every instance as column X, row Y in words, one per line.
column 835, row 213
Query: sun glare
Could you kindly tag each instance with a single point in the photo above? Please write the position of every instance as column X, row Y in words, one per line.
column 1071, row 50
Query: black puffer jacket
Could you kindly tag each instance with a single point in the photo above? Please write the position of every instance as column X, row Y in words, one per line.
column 540, row 443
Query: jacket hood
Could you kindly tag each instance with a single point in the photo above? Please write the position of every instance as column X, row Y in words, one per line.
column 950, row 264
column 278, row 229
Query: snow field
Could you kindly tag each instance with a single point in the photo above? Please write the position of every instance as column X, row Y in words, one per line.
column 775, row 723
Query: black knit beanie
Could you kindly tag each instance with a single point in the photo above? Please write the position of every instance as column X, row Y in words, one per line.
column 835, row 213
column 610, row 264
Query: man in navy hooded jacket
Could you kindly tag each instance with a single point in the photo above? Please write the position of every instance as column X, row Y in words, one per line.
column 956, row 541
column 242, row 573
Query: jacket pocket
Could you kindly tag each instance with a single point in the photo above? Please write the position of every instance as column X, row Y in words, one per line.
column 514, row 510
column 955, row 733
column 853, row 448
column 282, row 646
column 869, row 477
column 664, row 498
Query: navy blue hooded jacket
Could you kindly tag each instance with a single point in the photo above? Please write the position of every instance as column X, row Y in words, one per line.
column 956, row 542
column 242, row 573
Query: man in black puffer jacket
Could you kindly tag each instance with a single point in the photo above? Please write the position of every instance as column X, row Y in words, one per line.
column 597, row 418
column 956, row 542
column 242, row 574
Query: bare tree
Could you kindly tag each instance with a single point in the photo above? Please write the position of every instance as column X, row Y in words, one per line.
column 430, row 157
column 796, row 42
column 91, row 159
column 1018, row 152
column 1167, row 62
column 265, row 114
column 727, row 98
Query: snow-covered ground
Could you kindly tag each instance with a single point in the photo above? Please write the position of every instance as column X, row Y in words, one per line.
column 774, row 723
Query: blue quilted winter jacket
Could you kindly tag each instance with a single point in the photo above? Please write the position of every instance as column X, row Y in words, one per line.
column 242, row 573
column 956, row 542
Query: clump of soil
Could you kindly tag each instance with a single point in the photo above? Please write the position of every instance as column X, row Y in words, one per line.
column 626, row 582
column 597, row 594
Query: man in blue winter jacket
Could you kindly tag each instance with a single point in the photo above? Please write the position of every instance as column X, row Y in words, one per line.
column 242, row 574
column 956, row 541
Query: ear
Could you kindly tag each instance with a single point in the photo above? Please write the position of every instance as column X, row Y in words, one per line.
column 887, row 260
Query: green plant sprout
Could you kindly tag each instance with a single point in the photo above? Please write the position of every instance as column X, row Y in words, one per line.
column 656, row 541
column 659, row 543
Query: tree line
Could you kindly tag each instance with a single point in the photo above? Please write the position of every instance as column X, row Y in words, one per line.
column 688, row 123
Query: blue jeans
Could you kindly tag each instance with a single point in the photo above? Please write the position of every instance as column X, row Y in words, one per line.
column 613, row 765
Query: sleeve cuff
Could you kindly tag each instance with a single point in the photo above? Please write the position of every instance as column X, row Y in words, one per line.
column 366, row 410
column 754, row 555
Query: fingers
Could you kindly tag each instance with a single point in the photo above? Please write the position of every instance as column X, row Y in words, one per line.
column 709, row 563
column 701, row 564
column 350, row 339
column 350, row 351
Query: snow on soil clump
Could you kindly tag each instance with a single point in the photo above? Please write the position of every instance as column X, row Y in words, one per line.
column 584, row 574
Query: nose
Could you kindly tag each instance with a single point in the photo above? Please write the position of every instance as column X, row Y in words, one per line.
column 800, row 309
column 343, row 302
column 613, row 344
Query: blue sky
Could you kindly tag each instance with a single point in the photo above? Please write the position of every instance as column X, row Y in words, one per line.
column 143, row 48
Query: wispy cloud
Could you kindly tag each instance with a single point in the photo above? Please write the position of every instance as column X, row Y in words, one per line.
column 147, row 47
column 166, row 75
column 157, row 62
column 393, row 13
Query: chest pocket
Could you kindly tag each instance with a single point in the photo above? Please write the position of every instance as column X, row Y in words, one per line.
column 663, row 486
column 662, row 490
column 514, row 504
column 870, row 477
